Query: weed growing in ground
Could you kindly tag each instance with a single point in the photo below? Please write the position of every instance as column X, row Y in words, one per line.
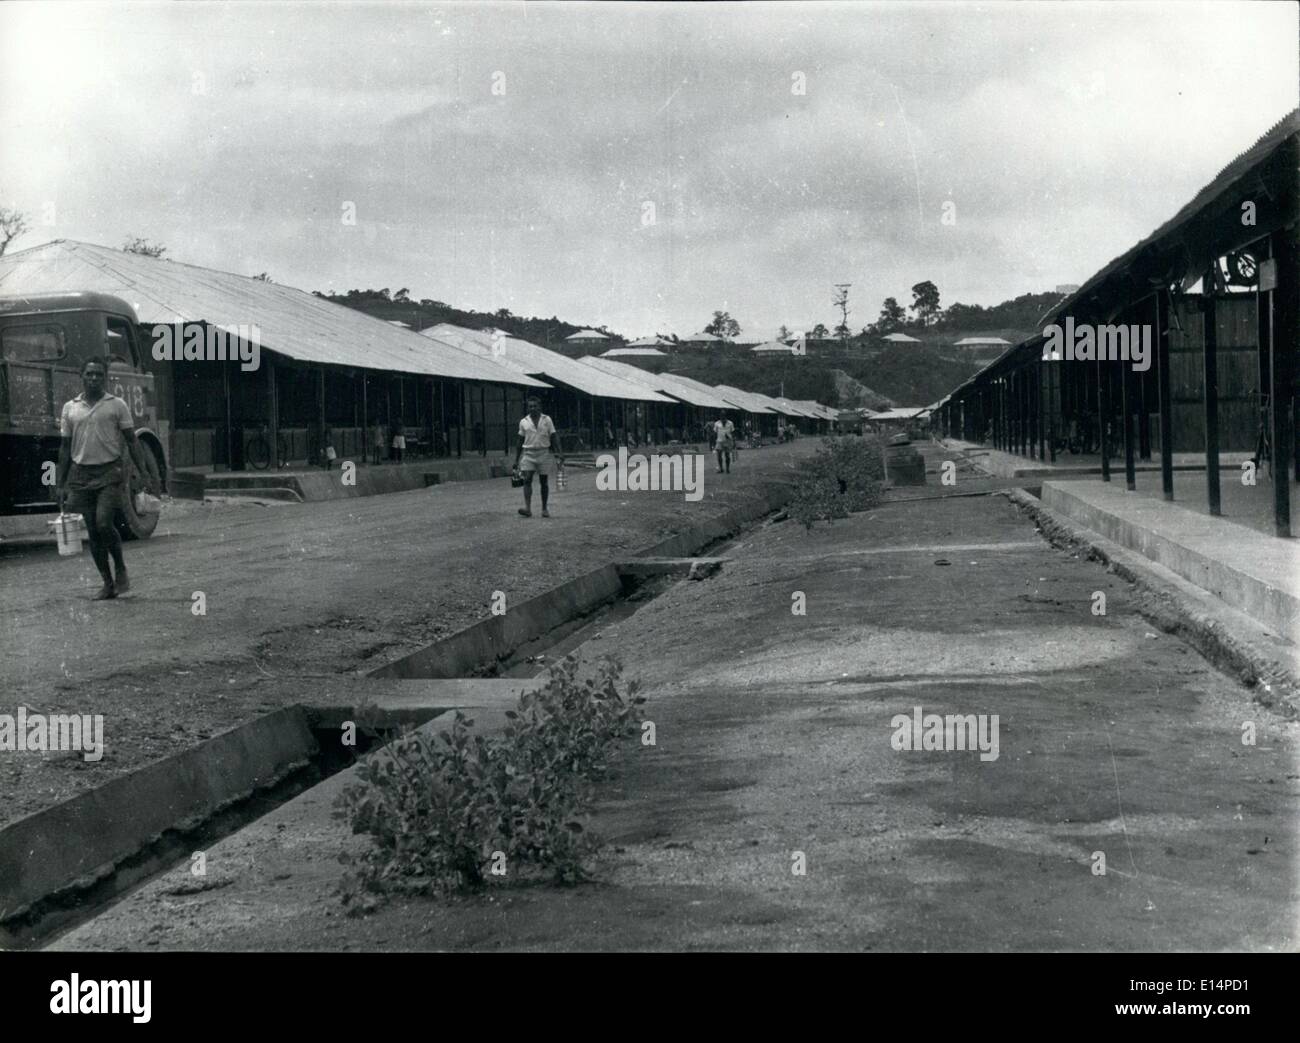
column 446, row 812
column 846, row 475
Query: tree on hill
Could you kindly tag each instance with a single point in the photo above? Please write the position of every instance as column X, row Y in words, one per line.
column 13, row 223
column 723, row 325
column 925, row 302
column 892, row 317
column 783, row 334
column 819, row 332
column 263, row 277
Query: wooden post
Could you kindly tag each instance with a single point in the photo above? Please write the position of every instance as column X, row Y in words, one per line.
column 230, row 443
column 365, row 421
column 320, row 415
column 1103, row 414
column 1041, row 374
column 1211, row 369
column 274, row 414
column 1142, row 383
column 1052, row 398
column 1165, row 398
column 1285, row 318
column 1126, row 383
column 482, row 409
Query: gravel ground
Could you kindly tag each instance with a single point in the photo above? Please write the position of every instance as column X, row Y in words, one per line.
column 293, row 591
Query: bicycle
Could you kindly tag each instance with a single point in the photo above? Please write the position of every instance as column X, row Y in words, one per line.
column 257, row 451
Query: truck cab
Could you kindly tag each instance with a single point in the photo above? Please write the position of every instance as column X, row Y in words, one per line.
column 45, row 339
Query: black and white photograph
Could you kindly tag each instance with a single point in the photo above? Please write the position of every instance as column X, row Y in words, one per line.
column 558, row 477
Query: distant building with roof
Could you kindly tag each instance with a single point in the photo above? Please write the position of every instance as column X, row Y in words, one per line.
column 701, row 340
column 899, row 338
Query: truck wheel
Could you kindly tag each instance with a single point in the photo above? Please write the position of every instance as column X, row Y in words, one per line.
column 131, row 525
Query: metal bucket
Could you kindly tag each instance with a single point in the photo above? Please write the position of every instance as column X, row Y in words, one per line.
column 69, row 530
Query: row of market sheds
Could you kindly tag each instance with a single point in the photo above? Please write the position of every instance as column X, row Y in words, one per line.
column 325, row 367
column 1219, row 285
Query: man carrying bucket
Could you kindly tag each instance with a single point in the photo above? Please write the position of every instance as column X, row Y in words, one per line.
column 539, row 447
column 94, row 425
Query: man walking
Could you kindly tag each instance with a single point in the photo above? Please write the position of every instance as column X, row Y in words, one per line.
column 539, row 449
column 724, row 442
column 94, row 425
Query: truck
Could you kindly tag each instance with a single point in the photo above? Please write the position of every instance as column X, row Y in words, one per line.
column 45, row 339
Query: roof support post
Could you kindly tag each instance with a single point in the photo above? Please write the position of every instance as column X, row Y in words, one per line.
column 1211, row 369
column 1103, row 415
column 1164, row 398
column 1041, row 374
column 1285, row 320
column 1142, row 383
column 1126, row 396
column 320, row 415
column 273, row 413
column 1053, row 379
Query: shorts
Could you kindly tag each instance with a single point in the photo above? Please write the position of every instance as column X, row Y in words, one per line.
column 96, row 486
column 540, row 460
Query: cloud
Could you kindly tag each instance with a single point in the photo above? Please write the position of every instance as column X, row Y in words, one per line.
column 1061, row 133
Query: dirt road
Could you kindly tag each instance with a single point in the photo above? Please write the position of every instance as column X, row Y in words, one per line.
column 777, row 810
column 294, row 590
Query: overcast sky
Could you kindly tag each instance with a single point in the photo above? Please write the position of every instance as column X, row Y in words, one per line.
column 235, row 134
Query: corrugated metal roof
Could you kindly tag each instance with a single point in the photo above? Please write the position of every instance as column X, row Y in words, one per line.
column 733, row 401
column 774, row 347
column 290, row 322
column 652, row 353
column 900, row 338
column 817, row 409
column 526, row 357
column 587, row 335
column 1240, row 167
column 899, row 413
column 974, row 341
column 748, row 400
column 794, row 409
column 666, row 383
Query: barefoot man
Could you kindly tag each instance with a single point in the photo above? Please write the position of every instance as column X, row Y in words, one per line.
column 539, row 449
column 91, row 476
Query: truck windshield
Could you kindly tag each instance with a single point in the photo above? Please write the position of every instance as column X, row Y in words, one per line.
column 32, row 343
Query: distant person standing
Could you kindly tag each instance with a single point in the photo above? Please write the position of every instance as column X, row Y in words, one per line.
column 724, row 442
column 94, row 426
column 538, row 452
column 399, row 440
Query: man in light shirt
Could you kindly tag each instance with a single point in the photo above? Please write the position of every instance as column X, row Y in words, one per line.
column 94, row 426
column 724, row 442
column 538, row 453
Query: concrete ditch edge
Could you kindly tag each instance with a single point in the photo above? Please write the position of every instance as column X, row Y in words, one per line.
column 117, row 820
column 1226, row 637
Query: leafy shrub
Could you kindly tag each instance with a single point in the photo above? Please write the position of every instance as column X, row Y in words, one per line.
column 847, row 474
column 438, row 809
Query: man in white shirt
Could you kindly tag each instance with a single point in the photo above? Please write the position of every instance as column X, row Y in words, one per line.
column 95, row 425
column 724, row 442
column 538, row 453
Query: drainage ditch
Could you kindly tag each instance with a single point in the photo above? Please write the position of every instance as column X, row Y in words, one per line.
column 139, row 826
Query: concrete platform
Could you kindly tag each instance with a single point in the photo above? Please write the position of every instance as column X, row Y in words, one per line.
column 1249, row 570
column 1069, row 465
column 315, row 484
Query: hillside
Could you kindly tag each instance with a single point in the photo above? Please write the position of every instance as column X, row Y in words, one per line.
column 424, row 313
column 871, row 373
